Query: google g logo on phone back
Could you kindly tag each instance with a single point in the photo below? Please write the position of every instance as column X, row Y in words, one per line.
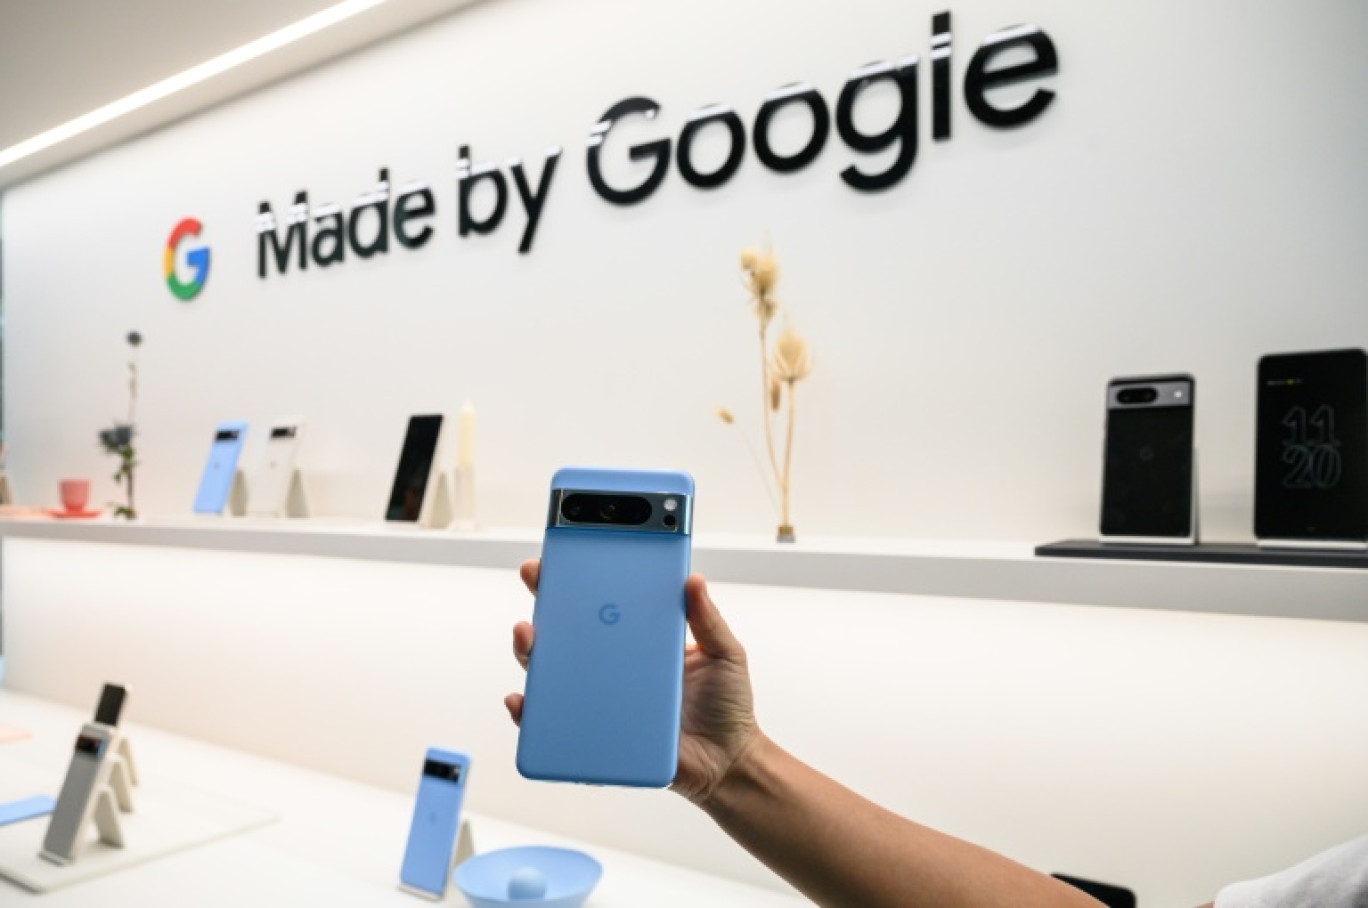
column 197, row 259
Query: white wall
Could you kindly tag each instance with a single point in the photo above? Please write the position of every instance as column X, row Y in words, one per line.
column 1193, row 199
column 1169, row 752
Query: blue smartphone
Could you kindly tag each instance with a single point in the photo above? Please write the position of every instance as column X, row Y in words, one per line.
column 217, row 482
column 436, row 823
column 605, row 678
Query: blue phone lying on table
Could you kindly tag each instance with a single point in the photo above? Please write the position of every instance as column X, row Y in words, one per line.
column 27, row 809
column 217, row 481
column 436, row 823
column 605, row 678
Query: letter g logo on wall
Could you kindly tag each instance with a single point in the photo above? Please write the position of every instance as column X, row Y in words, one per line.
column 609, row 614
column 197, row 259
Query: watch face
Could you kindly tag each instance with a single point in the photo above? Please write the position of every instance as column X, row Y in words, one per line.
column 1311, row 475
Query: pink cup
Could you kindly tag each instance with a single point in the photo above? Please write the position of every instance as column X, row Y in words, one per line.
column 75, row 494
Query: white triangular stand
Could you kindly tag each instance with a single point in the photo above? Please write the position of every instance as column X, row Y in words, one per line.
column 107, row 819
column 123, row 774
column 237, row 495
column 296, row 502
column 465, row 844
column 437, row 506
column 120, row 783
column 125, row 751
column 463, row 500
column 6, row 492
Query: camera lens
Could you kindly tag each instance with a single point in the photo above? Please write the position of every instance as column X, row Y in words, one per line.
column 592, row 508
column 669, row 520
column 1137, row 396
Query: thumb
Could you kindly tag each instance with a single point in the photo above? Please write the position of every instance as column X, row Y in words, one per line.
column 710, row 631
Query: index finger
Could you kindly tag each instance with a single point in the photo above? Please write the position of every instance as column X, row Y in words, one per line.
column 530, row 572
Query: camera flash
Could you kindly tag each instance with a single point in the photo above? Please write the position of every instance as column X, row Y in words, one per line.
column 1177, row 393
column 671, row 504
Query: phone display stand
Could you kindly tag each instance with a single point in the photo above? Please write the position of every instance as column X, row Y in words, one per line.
column 437, row 507
column 123, row 774
column 237, row 495
column 296, row 502
column 465, row 844
column 463, row 500
column 6, row 491
column 108, row 829
column 106, row 818
column 171, row 818
column 114, row 797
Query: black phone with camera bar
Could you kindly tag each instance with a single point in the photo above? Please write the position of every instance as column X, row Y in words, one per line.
column 1149, row 489
column 1311, row 466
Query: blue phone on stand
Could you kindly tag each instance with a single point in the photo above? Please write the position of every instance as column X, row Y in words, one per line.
column 436, row 824
column 217, row 482
column 605, row 679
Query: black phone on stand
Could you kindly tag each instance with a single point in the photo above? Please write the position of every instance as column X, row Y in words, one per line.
column 111, row 704
column 1311, row 469
column 1149, row 487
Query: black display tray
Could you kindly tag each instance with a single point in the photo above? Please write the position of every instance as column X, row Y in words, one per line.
column 1209, row 552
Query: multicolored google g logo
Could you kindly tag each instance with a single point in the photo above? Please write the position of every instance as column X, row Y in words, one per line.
column 195, row 258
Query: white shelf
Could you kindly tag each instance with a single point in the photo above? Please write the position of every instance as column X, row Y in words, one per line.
column 972, row 570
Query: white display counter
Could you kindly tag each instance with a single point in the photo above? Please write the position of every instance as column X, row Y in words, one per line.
column 1114, row 743
column 336, row 843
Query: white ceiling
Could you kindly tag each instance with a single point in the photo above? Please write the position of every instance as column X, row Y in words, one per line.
column 63, row 58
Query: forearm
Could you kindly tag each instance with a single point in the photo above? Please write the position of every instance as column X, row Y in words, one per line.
column 839, row 849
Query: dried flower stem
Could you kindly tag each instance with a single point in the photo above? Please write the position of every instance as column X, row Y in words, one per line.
column 759, row 468
column 788, row 450
column 789, row 362
column 765, row 406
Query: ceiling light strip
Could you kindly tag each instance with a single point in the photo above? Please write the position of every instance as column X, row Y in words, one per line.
column 193, row 76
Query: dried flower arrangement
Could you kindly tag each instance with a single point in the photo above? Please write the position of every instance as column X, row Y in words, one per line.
column 781, row 368
column 118, row 439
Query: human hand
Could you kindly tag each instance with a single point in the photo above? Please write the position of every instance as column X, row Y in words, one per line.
column 717, row 718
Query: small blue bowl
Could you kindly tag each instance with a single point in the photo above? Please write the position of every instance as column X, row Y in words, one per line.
column 531, row 875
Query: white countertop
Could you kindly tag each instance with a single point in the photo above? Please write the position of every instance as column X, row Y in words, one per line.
column 337, row 842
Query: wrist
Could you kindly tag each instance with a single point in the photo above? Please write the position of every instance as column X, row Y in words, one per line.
column 745, row 774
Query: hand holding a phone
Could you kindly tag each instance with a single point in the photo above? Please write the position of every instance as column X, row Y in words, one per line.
column 834, row 846
column 717, row 718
